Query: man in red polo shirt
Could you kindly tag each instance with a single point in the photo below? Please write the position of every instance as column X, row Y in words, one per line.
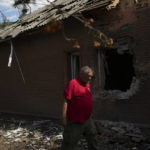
column 77, row 110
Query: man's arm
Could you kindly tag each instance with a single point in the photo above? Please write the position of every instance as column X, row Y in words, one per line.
column 64, row 113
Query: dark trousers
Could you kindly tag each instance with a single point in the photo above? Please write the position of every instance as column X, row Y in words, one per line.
column 73, row 132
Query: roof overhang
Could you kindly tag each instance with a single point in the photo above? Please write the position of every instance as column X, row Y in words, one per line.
column 57, row 10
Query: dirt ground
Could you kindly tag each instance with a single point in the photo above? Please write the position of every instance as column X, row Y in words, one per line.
column 18, row 132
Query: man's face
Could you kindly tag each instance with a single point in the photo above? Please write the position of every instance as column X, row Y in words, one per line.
column 86, row 77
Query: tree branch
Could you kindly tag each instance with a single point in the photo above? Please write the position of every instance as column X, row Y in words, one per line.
column 103, row 39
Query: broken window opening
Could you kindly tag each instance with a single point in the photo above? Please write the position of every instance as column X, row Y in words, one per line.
column 119, row 70
column 74, row 64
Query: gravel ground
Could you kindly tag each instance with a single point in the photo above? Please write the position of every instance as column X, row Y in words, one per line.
column 34, row 133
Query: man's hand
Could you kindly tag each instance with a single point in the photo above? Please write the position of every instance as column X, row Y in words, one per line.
column 64, row 113
column 64, row 122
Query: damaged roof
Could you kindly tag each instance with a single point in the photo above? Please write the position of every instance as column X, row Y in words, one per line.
column 57, row 10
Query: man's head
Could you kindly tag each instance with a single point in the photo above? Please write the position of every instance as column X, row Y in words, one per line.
column 86, row 74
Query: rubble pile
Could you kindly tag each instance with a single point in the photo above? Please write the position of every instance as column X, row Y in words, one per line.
column 122, row 136
column 44, row 134
column 123, row 95
column 33, row 134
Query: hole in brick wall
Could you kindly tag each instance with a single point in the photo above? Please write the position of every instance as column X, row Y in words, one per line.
column 119, row 70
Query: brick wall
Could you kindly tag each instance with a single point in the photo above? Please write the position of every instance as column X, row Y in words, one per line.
column 43, row 60
column 133, row 21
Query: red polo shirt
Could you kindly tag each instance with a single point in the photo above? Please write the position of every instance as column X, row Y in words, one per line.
column 79, row 99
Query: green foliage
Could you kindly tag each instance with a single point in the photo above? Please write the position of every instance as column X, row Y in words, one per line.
column 4, row 24
column 22, row 2
column 23, row 6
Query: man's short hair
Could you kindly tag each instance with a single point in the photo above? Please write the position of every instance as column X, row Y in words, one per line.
column 85, row 69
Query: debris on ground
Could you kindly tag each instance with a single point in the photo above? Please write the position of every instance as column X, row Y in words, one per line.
column 122, row 136
column 35, row 133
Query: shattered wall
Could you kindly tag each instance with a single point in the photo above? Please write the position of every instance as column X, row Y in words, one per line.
column 128, row 20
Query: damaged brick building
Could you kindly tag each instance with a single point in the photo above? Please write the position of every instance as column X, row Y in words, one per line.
column 126, row 65
column 45, row 58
